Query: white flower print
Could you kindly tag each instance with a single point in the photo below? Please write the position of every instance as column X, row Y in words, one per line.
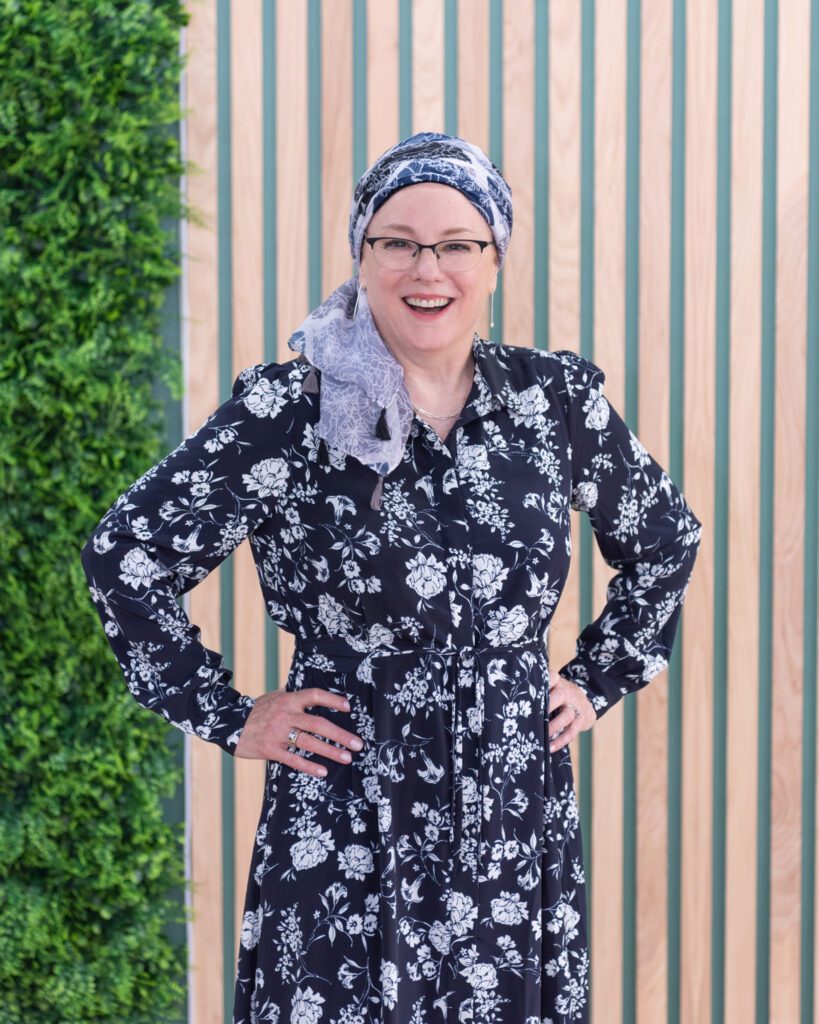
column 451, row 841
column 508, row 908
column 530, row 405
column 266, row 398
column 389, row 983
column 251, row 928
column 427, row 575
column 355, row 861
column 584, row 497
column 596, row 408
column 312, row 849
column 138, row 570
column 268, row 477
column 462, row 912
column 506, row 625
column 306, row 1007
column 488, row 576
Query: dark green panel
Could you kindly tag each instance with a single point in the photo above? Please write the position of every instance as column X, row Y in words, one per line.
column 495, row 85
column 225, row 258
column 722, row 465
column 676, row 471
column 451, row 67
column 359, row 88
column 269, row 257
column 405, row 68
column 541, row 184
column 314, row 154
column 766, row 509
column 810, row 612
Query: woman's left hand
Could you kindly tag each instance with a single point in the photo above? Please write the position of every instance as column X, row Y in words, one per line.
column 562, row 695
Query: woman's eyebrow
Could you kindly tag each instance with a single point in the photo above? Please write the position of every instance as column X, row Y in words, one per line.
column 409, row 230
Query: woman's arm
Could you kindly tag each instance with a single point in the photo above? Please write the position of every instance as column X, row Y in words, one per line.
column 169, row 530
column 644, row 528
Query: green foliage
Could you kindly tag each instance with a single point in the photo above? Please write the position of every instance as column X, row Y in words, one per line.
column 89, row 172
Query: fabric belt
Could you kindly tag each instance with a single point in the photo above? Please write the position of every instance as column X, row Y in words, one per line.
column 462, row 662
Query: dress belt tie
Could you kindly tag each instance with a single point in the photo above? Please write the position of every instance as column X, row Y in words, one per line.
column 465, row 742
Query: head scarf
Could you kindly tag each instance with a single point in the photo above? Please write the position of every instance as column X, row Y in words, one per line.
column 365, row 408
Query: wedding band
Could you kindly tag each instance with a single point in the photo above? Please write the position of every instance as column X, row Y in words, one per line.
column 291, row 736
column 576, row 712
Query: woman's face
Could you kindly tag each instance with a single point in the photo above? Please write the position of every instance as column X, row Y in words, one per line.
column 428, row 212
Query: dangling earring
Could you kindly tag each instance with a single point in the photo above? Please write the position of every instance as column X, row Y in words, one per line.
column 492, row 310
column 357, row 297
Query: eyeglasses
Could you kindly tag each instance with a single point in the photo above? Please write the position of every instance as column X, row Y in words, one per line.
column 453, row 255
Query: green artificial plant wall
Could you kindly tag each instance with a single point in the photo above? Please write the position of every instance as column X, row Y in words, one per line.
column 89, row 174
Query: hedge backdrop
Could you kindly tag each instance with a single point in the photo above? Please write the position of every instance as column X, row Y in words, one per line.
column 91, row 859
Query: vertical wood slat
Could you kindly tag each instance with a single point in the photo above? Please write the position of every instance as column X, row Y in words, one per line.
column 293, row 174
column 609, row 342
column 382, row 76
column 205, row 997
column 518, row 169
column 653, row 416
column 789, row 504
column 246, row 202
column 428, row 66
column 292, row 170
column 337, row 117
column 698, row 426
column 744, row 525
column 473, row 89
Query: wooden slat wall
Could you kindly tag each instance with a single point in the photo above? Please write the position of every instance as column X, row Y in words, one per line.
column 676, row 202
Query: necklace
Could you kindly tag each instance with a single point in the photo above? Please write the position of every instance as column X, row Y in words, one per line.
column 432, row 416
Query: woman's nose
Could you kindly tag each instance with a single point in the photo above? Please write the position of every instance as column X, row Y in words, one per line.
column 427, row 264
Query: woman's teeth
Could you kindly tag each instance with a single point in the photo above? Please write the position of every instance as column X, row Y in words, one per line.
column 428, row 303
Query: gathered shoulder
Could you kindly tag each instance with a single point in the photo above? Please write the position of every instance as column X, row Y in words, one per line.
column 289, row 374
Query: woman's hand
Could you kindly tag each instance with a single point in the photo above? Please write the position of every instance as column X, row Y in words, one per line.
column 562, row 694
column 267, row 726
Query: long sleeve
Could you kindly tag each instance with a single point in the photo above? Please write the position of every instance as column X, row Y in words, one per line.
column 168, row 531
column 644, row 529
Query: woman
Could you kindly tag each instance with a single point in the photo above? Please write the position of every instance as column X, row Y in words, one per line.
column 406, row 488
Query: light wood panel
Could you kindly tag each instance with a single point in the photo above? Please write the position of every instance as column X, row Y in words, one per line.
column 200, row 331
column 248, row 291
column 382, row 76
column 653, row 416
column 518, row 275
column 427, row 66
column 609, row 353
column 473, row 87
column 656, row 298
column 743, row 559
column 698, row 427
column 337, row 148
column 789, row 505
column 292, row 170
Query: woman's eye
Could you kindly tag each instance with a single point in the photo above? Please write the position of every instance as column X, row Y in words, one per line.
column 396, row 243
column 456, row 247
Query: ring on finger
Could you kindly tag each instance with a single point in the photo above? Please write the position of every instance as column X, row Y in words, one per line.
column 292, row 737
column 575, row 709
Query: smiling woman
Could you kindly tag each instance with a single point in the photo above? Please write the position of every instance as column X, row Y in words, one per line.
column 427, row 866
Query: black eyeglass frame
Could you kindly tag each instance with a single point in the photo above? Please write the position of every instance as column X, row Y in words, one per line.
column 372, row 239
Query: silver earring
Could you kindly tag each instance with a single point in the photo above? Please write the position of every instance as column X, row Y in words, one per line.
column 492, row 310
column 357, row 296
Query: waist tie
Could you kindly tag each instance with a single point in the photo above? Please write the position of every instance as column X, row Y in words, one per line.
column 466, row 723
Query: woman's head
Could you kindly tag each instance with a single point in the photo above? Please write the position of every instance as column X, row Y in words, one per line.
column 430, row 188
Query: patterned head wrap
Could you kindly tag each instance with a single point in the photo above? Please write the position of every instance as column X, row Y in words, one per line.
column 365, row 408
column 445, row 159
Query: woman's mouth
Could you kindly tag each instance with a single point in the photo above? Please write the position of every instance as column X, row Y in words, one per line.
column 428, row 309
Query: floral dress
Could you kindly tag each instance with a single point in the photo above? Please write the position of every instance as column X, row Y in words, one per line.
column 439, row 876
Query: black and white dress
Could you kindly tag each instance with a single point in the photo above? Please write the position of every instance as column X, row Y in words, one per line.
column 439, row 877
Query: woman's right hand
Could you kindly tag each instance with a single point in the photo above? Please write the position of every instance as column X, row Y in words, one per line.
column 265, row 732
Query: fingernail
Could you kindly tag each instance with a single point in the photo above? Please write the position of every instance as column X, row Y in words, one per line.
column 346, row 705
column 356, row 744
column 321, row 771
column 551, row 748
column 346, row 755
